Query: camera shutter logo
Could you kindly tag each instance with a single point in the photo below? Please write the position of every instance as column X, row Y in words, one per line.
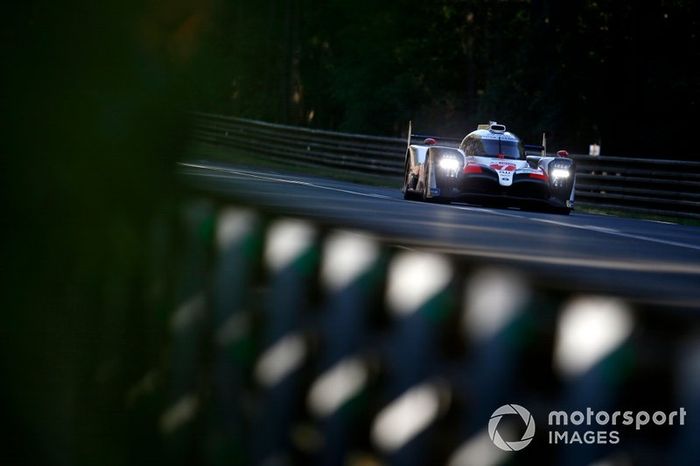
column 496, row 419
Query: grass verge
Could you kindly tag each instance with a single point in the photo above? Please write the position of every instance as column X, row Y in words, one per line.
column 245, row 158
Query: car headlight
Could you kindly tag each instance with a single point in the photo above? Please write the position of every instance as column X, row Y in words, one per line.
column 561, row 170
column 449, row 163
column 560, row 173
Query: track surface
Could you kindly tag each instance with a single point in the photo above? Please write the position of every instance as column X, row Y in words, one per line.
column 648, row 262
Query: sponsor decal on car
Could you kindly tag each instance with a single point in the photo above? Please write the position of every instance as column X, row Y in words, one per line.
column 505, row 172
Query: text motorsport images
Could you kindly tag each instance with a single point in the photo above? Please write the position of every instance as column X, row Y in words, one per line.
column 564, row 427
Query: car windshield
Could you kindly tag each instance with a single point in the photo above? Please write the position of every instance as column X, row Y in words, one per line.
column 493, row 148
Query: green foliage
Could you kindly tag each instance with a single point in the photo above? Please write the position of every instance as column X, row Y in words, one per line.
column 585, row 71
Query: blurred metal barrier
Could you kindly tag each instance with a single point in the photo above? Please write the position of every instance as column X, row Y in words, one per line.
column 648, row 186
column 298, row 343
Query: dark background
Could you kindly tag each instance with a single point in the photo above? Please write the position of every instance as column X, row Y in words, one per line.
column 623, row 74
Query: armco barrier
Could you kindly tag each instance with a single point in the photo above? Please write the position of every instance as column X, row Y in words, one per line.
column 298, row 343
column 647, row 186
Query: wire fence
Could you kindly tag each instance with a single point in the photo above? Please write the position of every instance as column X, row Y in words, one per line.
column 647, row 186
column 298, row 343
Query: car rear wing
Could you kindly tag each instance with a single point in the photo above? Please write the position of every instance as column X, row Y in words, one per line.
column 437, row 138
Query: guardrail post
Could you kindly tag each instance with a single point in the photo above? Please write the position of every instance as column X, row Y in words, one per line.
column 291, row 257
column 238, row 245
column 592, row 355
column 418, row 296
column 352, row 274
column 497, row 323
column 178, row 422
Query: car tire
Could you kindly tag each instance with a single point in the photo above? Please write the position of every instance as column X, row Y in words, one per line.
column 424, row 192
column 407, row 195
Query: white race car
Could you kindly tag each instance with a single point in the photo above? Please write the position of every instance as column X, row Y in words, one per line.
column 490, row 166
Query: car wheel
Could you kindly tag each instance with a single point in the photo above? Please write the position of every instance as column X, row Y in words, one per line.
column 407, row 195
column 424, row 191
column 426, row 187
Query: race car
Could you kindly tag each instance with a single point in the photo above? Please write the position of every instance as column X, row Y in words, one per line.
column 490, row 166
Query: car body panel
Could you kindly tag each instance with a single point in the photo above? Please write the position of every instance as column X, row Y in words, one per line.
column 468, row 173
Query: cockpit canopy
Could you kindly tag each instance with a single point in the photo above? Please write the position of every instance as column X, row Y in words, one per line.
column 492, row 140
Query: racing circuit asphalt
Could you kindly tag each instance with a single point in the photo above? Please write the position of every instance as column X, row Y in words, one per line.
column 648, row 262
